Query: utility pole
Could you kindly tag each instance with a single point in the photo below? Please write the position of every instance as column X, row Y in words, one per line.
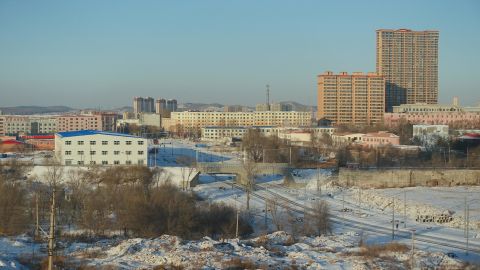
column 404, row 209
column 51, row 237
column 359, row 190
column 468, row 224
column 37, row 225
column 465, row 218
column 266, row 211
column 343, row 209
column 413, row 249
column 236, row 228
column 290, row 155
column 393, row 218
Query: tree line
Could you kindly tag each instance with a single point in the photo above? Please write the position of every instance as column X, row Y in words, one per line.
column 99, row 201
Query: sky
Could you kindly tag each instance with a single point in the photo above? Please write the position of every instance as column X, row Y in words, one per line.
column 99, row 54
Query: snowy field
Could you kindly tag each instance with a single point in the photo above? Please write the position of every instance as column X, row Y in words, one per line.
column 361, row 213
column 422, row 201
column 277, row 250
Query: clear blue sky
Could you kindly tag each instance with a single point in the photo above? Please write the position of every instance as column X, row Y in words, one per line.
column 102, row 53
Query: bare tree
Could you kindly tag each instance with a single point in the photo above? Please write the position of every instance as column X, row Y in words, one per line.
column 275, row 213
column 187, row 168
column 320, row 218
column 250, row 169
column 253, row 143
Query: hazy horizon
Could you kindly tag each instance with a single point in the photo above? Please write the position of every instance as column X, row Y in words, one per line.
column 99, row 54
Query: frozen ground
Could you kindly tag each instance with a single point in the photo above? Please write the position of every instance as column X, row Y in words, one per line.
column 277, row 250
column 432, row 201
column 361, row 214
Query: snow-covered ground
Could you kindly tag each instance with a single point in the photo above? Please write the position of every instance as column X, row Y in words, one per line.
column 430, row 201
column 362, row 214
column 356, row 214
column 277, row 250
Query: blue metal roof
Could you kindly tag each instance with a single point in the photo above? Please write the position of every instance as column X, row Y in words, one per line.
column 67, row 134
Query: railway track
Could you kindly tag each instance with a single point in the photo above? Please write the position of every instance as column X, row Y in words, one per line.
column 300, row 208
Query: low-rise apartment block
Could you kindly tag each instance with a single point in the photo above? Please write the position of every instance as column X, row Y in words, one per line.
column 296, row 134
column 92, row 147
column 19, row 124
column 374, row 139
column 197, row 120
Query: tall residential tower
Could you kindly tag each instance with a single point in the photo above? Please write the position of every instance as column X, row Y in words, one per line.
column 408, row 60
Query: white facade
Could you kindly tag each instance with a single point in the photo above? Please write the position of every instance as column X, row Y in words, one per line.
column 88, row 147
column 300, row 134
column 430, row 130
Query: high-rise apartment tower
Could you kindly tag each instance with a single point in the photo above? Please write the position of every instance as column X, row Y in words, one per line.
column 408, row 60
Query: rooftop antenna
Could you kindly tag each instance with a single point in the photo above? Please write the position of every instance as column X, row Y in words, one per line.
column 268, row 97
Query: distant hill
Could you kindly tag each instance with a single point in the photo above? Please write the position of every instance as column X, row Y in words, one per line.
column 219, row 107
column 124, row 109
column 200, row 106
column 26, row 110
column 298, row 106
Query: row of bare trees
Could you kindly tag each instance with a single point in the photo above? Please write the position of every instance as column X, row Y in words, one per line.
column 132, row 200
column 271, row 149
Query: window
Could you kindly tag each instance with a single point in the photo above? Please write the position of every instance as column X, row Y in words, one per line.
column 93, row 152
column 140, row 152
column 80, row 162
column 104, row 162
column 128, row 162
column 128, row 152
column 116, row 142
column 93, row 142
column 80, row 152
column 68, row 162
column 68, row 153
column 104, row 153
column 140, row 142
column 116, row 153
column 116, row 162
column 140, row 162
column 128, row 142
column 92, row 162
column 80, row 142
column 68, row 142
column 104, row 142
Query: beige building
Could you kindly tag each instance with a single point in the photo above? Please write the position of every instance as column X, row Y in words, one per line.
column 79, row 122
column 17, row 124
column 409, row 62
column 357, row 98
column 197, row 120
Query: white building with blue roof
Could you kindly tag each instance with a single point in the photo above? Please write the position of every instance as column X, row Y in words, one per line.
column 93, row 147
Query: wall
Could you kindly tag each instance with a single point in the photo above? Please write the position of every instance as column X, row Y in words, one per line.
column 390, row 178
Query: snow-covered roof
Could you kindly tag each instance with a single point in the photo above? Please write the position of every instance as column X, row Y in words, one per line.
column 77, row 133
